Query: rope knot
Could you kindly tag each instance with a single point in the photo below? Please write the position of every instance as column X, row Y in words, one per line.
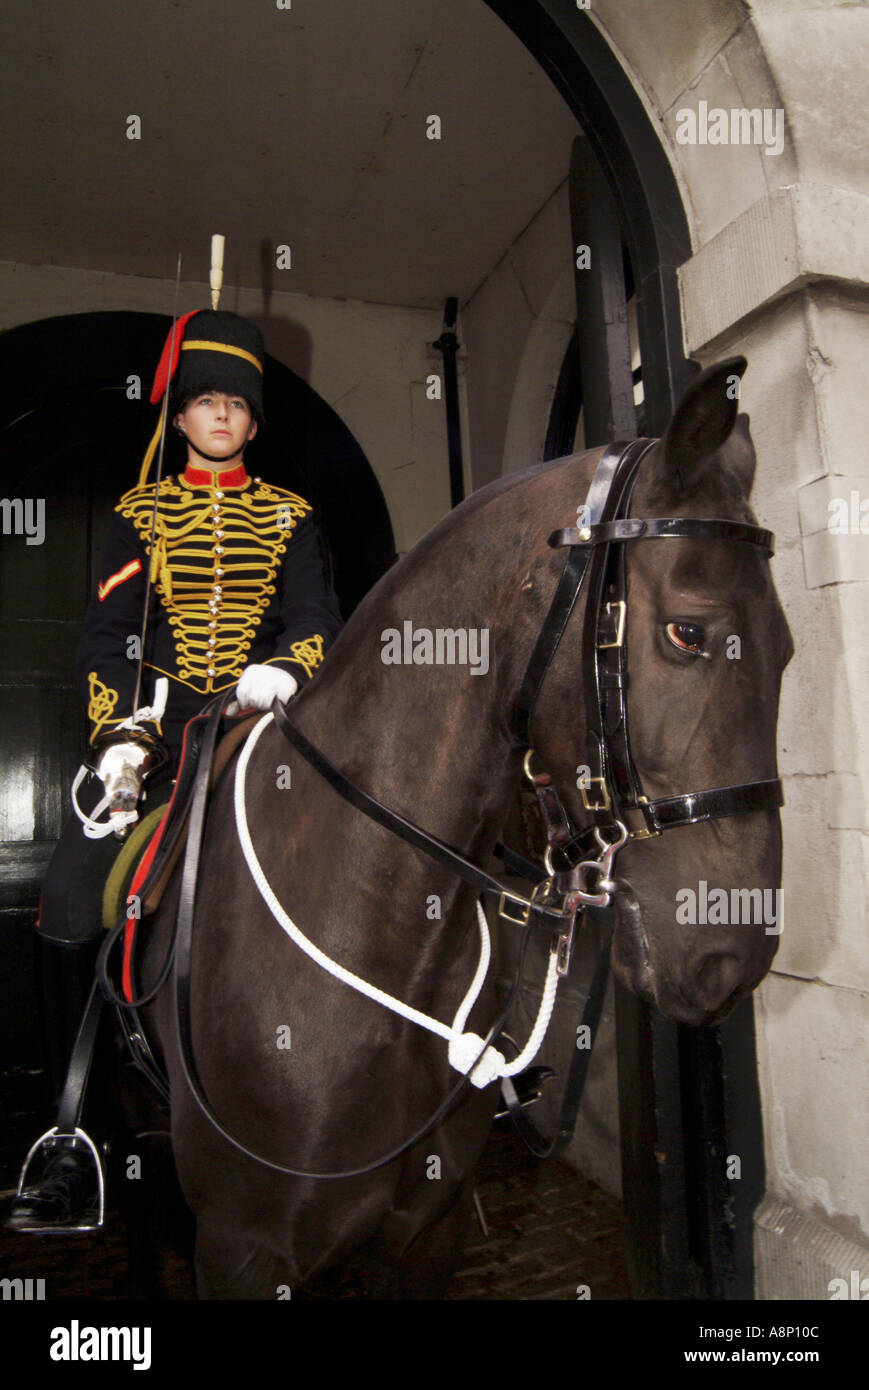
column 465, row 1048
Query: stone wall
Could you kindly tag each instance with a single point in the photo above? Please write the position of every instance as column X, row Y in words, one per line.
column 779, row 271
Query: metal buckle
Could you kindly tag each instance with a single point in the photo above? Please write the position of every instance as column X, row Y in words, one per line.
column 515, row 898
column 562, row 947
column 620, row 626
column 595, row 805
column 644, row 833
column 540, row 893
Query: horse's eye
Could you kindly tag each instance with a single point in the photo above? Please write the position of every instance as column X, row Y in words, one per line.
column 688, row 637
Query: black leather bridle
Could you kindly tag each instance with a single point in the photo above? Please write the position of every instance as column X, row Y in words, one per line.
column 596, row 558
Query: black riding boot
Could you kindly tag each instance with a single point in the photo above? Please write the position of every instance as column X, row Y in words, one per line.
column 66, row 1187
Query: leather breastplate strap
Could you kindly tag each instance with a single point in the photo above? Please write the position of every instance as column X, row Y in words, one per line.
column 548, row 917
column 183, row 956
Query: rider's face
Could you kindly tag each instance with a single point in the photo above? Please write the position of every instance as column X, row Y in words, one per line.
column 217, row 424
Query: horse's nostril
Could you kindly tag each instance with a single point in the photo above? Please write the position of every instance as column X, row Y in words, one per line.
column 717, row 977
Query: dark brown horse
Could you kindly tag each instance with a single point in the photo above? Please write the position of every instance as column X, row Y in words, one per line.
column 315, row 1076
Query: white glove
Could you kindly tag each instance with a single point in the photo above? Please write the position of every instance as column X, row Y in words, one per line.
column 119, row 770
column 260, row 686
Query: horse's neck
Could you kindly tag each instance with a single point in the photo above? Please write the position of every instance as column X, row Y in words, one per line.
column 425, row 741
column 433, row 741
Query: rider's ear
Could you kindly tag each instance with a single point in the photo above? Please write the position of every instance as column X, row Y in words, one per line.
column 703, row 422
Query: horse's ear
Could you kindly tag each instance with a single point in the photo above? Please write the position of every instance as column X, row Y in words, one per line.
column 703, row 421
column 741, row 458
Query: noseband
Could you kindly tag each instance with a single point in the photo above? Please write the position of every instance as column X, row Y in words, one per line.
column 611, row 792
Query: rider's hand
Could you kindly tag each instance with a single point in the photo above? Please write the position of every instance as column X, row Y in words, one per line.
column 120, row 770
column 260, row 686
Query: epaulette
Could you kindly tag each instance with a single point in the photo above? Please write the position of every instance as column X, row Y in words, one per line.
column 268, row 492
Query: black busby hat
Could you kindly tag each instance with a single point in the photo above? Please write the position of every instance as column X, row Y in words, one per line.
column 215, row 351
column 220, row 352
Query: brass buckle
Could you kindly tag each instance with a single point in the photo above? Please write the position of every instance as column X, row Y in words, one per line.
column 644, row 833
column 515, row 898
column 540, row 893
column 620, row 626
column 603, row 805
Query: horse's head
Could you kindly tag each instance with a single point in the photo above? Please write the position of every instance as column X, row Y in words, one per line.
column 698, row 911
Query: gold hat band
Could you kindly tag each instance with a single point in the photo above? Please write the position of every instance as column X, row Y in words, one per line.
column 204, row 346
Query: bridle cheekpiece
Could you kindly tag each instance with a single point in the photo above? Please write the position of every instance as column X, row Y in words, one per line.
column 612, row 791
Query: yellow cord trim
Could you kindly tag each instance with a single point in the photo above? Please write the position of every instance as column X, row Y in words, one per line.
column 150, row 452
column 214, row 687
column 204, row 346
column 101, row 705
column 309, row 654
column 217, row 561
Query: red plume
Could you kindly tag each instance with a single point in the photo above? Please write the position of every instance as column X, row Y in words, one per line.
column 165, row 371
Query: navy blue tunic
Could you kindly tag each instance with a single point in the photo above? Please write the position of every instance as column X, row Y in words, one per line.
column 237, row 579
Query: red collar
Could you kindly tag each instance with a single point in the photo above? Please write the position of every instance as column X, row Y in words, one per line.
column 208, row 477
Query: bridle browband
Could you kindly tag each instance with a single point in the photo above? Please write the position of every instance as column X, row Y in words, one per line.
column 611, row 792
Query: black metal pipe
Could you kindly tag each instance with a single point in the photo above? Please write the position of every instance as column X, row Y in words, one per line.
column 448, row 344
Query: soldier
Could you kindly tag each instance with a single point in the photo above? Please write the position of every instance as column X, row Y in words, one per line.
column 237, row 597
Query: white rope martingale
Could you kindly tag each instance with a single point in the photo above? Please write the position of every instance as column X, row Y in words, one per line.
column 464, row 1048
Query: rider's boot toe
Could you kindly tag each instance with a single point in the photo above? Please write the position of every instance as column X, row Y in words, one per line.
column 64, row 1197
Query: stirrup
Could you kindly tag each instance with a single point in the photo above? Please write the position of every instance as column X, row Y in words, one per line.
column 94, row 1216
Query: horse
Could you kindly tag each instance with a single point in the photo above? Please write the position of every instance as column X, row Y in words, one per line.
column 316, row 1077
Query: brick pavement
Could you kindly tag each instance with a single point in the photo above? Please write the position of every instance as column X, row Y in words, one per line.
column 550, row 1230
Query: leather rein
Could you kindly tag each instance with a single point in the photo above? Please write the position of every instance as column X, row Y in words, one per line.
column 612, row 796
